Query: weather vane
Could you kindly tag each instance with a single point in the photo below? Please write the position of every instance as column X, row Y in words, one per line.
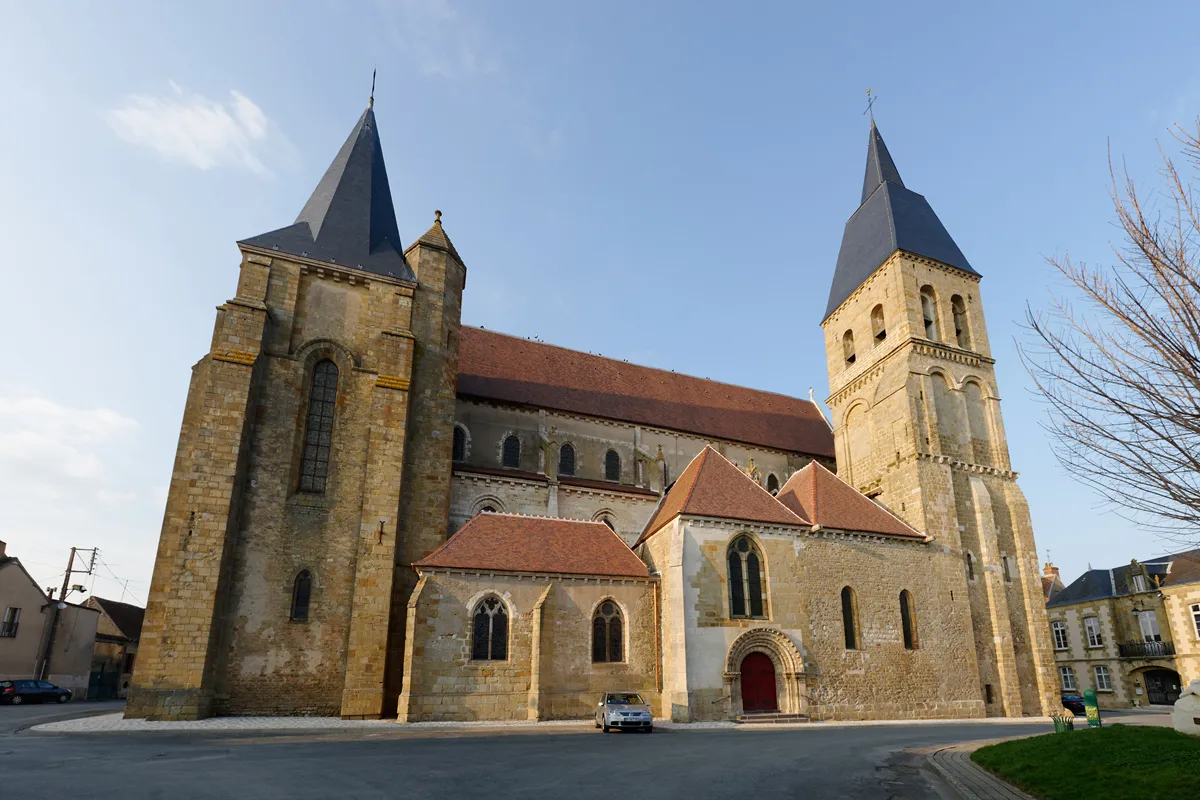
column 371, row 99
column 870, row 103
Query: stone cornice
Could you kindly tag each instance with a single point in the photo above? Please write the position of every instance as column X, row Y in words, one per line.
column 801, row 530
column 533, row 576
column 919, row 346
column 324, row 269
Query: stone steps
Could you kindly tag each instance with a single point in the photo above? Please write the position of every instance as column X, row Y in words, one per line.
column 770, row 719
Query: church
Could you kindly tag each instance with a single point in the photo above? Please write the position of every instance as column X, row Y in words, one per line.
column 376, row 511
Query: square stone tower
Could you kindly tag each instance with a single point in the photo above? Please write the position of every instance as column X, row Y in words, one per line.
column 306, row 472
column 917, row 424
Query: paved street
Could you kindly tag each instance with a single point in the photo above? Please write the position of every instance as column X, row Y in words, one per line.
column 580, row 762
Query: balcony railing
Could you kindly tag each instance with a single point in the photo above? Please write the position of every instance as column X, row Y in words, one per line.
column 9, row 630
column 1146, row 649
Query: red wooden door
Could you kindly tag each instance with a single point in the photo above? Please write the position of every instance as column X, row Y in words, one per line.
column 758, row 684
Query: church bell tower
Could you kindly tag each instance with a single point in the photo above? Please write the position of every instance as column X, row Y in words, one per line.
column 917, row 424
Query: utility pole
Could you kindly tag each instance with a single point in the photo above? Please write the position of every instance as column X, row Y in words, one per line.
column 60, row 604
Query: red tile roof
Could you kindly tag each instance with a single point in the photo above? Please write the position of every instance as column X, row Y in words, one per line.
column 494, row 366
column 817, row 494
column 516, row 543
column 712, row 486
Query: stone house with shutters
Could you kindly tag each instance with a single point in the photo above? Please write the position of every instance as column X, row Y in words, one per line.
column 378, row 511
column 1130, row 633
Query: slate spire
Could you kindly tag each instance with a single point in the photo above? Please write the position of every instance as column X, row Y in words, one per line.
column 891, row 217
column 880, row 166
column 349, row 220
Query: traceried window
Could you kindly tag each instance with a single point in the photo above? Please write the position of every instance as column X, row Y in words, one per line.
column 877, row 326
column 1103, row 678
column 460, row 444
column 1092, row 626
column 772, row 484
column 962, row 334
column 511, row 452
column 848, row 347
column 1067, row 676
column 850, row 618
column 490, row 635
column 929, row 314
column 908, row 620
column 301, row 595
column 566, row 460
column 612, row 466
column 1061, row 640
column 1148, row 624
column 318, row 432
column 607, row 634
column 745, row 579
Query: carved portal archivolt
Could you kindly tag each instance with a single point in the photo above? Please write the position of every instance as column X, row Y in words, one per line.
column 790, row 680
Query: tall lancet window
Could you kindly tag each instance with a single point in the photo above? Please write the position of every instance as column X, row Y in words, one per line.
column 566, row 460
column 318, row 433
column 877, row 325
column 848, row 347
column 745, row 579
column 962, row 333
column 929, row 314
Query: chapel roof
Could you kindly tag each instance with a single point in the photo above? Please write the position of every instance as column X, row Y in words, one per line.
column 349, row 220
column 713, row 486
column 890, row 217
column 519, row 543
column 822, row 497
column 495, row 366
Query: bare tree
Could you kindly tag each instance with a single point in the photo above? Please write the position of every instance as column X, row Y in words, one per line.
column 1120, row 368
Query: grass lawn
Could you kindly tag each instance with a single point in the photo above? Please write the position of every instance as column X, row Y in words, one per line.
column 1110, row 763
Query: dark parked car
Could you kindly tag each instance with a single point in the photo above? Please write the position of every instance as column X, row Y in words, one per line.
column 1074, row 704
column 17, row 692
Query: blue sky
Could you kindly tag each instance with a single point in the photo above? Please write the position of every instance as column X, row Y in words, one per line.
column 661, row 182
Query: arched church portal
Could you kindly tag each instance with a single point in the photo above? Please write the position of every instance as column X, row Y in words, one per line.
column 764, row 673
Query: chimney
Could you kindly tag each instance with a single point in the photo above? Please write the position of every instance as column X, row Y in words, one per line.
column 1050, row 571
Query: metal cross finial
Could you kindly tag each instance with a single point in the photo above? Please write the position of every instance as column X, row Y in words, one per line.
column 870, row 103
column 371, row 99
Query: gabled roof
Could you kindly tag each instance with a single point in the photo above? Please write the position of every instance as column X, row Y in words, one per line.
column 517, row 543
column 128, row 618
column 890, row 218
column 349, row 220
column 494, row 366
column 818, row 495
column 1097, row 584
column 712, row 486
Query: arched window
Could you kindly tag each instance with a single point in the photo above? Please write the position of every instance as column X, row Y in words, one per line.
column 511, row 455
column 848, row 346
column 318, row 432
column 612, row 466
column 970, row 567
column 977, row 423
column 607, row 635
column 745, row 579
column 460, row 444
column 877, row 326
column 490, row 640
column 488, row 509
column 929, row 313
column 566, row 460
column 772, row 484
column 609, row 523
column 301, row 594
column 850, row 618
column 962, row 333
column 908, row 620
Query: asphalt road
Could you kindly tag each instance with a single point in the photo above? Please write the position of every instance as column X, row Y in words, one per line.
column 866, row 762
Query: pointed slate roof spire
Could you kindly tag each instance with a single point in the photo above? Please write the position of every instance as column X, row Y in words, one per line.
column 890, row 218
column 880, row 166
column 349, row 220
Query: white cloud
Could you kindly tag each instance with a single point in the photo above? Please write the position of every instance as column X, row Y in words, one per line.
column 440, row 39
column 195, row 130
column 41, row 437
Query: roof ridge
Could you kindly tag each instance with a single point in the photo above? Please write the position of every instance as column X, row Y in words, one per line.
column 641, row 366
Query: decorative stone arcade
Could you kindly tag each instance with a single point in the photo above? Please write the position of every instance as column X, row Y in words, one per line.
column 788, row 664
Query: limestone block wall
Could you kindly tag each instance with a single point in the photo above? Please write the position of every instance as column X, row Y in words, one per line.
column 805, row 574
column 1185, row 630
column 548, row 673
column 1083, row 658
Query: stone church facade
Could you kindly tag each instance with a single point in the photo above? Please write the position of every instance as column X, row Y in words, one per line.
column 377, row 511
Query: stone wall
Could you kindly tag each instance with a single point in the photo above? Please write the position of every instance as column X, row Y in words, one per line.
column 548, row 672
column 1185, row 630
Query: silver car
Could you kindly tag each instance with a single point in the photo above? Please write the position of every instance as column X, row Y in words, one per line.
column 624, row 710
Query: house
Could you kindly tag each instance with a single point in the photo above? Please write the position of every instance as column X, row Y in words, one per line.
column 117, row 636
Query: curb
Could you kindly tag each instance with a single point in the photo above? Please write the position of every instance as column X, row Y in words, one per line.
column 968, row 779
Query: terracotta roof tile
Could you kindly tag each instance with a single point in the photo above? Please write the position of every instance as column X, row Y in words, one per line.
column 712, row 486
column 495, row 366
column 817, row 494
column 516, row 543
